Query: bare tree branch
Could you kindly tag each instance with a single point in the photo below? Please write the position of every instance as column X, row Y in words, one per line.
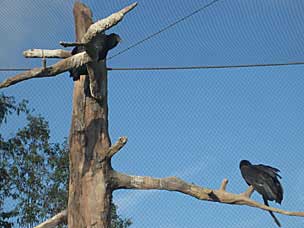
column 91, row 38
column 40, row 53
column 100, row 26
column 54, row 221
column 59, row 67
column 124, row 181
column 94, row 43
column 94, row 37
column 117, row 146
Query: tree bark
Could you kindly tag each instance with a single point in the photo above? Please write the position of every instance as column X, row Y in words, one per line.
column 89, row 191
column 124, row 181
column 40, row 53
column 51, row 71
column 92, row 178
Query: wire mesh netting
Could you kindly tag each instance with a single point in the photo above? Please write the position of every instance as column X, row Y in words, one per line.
column 195, row 124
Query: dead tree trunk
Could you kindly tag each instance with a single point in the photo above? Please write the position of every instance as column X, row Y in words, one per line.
column 92, row 179
column 89, row 191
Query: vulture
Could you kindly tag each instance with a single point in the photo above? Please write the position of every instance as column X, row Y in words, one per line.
column 111, row 41
column 264, row 180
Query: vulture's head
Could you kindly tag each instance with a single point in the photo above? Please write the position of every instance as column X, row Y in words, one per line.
column 244, row 163
column 112, row 40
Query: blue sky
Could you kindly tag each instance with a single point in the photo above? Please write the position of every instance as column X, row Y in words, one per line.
column 194, row 124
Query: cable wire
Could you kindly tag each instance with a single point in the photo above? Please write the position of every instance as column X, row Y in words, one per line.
column 14, row 69
column 182, row 67
column 164, row 29
column 205, row 67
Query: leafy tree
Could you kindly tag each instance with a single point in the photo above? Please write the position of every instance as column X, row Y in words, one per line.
column 33, row 171
column 117, row 221
column 7, row 107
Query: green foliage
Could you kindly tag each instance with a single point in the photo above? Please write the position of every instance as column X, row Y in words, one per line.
column 117, row 221
column 28, row 169
column 33, row 172
column 8, row 106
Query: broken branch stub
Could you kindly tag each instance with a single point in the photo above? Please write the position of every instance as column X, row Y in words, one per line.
column 117, row 146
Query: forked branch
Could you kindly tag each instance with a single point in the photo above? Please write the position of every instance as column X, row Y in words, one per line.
column 90, row 39
column 124, row 181
column 53, row 70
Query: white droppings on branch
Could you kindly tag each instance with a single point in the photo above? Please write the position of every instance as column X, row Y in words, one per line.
column 137, row 181
column 104, row 24
column 71, row 62
column 40, row 53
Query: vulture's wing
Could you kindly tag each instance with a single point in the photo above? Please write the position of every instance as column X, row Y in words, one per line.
column 273, row 172
column 264, row 180
column 249, row 174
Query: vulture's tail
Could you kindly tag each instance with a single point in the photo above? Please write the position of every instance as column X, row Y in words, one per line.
column 271, row 213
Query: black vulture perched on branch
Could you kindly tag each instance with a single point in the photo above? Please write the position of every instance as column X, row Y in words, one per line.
column 111, row 41
column 264, row 180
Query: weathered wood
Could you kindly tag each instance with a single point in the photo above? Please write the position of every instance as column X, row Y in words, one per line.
column 93, row 42
column 54, row 221
column 89, row 191
column 92, row 179
column 124, row 181
column 40, row 53
column 100, row 26
column 117, row 146
column 51, row 71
